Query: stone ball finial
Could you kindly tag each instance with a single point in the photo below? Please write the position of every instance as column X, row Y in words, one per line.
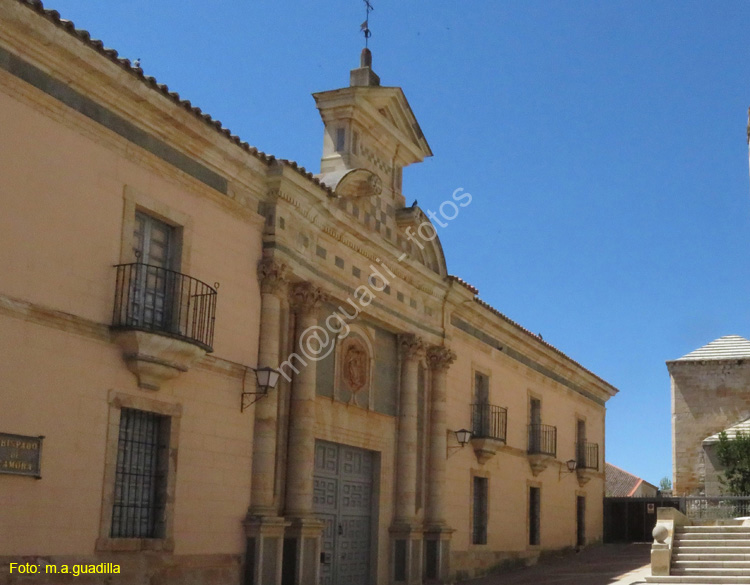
column 365, row 59
column 660, row 533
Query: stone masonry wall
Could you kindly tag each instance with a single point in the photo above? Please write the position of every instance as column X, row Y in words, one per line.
column 707, row 397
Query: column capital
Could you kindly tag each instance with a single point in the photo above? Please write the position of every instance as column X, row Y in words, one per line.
column 440, row 357
column 304, row 297
column 273, row 275
column 412, row 347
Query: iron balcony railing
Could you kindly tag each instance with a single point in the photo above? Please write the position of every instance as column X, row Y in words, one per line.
column 159, row 300
column 488, row 421
column 587, row 456
column 542, row 440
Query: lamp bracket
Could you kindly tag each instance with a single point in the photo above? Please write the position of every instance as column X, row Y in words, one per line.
column 248, row 401
column 249, row 398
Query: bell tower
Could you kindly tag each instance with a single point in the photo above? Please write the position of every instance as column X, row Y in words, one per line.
column 370, row 135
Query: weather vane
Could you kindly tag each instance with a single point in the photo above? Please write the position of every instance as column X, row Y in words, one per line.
column 365, row 27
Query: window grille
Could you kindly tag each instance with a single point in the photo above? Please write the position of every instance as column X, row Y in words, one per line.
column 479, row 529
column 141, row 475
column 535, row 502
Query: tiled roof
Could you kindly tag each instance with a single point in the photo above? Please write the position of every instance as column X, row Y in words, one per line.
column 742, row 427
column 620, row 483
column 111, row 54
column 729, row 347
column 462, row 282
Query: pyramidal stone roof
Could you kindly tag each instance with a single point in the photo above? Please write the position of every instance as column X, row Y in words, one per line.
column 729, row 347
column 742, row 427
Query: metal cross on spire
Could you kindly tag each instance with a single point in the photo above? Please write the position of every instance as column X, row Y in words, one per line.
column 365, row 27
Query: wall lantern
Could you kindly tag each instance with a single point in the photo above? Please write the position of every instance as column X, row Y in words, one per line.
column 265, row 380
column 570, row 465
column 463, row 437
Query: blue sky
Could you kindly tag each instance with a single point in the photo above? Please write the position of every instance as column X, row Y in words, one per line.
column 604, row 144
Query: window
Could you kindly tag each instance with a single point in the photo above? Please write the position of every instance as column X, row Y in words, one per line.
column 481, row 412
column 340, row 139
column 535, row 500
column 580, row 521
column 479, row 528
column 535, row 425
column 155, row 249
column 139, row 503
column 581, row 443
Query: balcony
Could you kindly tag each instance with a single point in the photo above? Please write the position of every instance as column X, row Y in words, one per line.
column 489, row 424
column 542, row 446
column 587, row 461
column 163, row 320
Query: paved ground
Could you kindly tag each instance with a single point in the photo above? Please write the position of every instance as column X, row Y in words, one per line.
column 608, row 564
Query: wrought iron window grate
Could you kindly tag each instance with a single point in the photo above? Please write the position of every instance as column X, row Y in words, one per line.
column 479, row 528
column 140, row 476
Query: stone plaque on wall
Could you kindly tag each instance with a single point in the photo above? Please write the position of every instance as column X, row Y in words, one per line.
column 21, row 455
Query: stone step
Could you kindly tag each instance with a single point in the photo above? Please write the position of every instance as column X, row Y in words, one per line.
column 701, row 580
column 711, row 572
column 705, row 528
column 713, row 536
column 714, row 550
column 711, row 555
column 709, row 564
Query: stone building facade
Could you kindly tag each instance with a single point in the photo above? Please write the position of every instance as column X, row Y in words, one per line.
column 152, row 261
column 709, row 395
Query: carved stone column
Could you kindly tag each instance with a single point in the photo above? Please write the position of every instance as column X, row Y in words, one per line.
column 437, row 532
column 406, row 534
column 272, row 277
column 305, row 530
column 264, row 527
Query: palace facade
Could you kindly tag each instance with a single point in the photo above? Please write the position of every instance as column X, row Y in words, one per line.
column 152, row 264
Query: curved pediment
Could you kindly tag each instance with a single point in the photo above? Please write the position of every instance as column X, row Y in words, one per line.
column 422, row 238
column 354, row 183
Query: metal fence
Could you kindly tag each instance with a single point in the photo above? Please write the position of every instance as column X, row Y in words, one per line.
column 542, row 440
column 152, row 298
column 715, row 507
column 587, row 455
column 488, row 421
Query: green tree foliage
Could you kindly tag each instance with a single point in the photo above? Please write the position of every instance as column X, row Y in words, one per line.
column 734, row 456
column 665, row 484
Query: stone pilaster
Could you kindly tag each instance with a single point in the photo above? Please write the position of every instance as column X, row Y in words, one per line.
column 305, row 530
column 412, row 350
column 437, row 532
column 272, row 276
column 439, row 358
column 406, row 535
column 265, row 530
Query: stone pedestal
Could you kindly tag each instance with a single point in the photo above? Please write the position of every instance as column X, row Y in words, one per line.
column 265, row 547
column 437, row 541
column 302, row 552
column 406, row 554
